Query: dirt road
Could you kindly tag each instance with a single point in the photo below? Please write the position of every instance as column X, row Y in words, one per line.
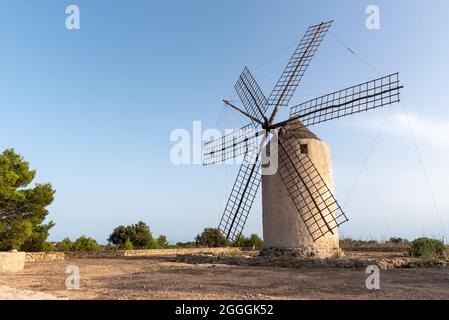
column 158, row 278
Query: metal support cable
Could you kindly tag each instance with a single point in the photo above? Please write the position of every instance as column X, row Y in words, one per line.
column 371, row 180
column 370, row 150
column 354, row 53
column 423, row 168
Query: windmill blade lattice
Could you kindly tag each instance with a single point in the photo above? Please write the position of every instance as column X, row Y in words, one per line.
column 363, row 97
column 251, row 95
column 313, row 199
column 230, row 146
column 242, row 196
column 297, row 66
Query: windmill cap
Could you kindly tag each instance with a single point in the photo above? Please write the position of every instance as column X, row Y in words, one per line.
column 297, row 130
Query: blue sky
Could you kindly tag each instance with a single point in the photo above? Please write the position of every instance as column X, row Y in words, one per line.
column 93, row 109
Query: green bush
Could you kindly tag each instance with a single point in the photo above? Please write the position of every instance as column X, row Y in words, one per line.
column 65, row 245
column 84, row 243
column 162, row 241
column 427, row 248
column 139, row 234
column 254, row 241
column 351, row 243
column 240, row 241
column 397, row 240
column 128, row 245
column 190, row 244
column 211, row 238
column 153, row 244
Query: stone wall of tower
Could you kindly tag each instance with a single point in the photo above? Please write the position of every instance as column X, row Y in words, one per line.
column 282, row 228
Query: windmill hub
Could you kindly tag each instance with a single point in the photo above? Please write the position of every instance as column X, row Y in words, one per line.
column 300, row 212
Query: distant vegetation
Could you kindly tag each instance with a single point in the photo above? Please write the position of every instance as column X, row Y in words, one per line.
column 347, row 243
column 65, row 245
column 351, row 243
column 136, row 236
column 254, row 242
column 84, row 243
column 397, row 240
column 211, row 238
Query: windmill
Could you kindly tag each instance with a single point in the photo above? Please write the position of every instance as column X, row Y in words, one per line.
column 299, row 208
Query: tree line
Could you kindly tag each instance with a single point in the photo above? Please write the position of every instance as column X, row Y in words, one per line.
column 23, row 210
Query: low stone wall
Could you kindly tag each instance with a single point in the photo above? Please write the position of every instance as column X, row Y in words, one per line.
column 59, row 256
column 238, row 257
column 12, row 261
column 295, row 262
column 44, row 256
column 378, row 248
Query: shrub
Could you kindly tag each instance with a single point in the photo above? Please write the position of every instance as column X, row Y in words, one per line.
column 351, row 243
column 397, row 240
column 143, row 236
column 255, row 241
column 211, row 238
column 139, row 234
column 119, row 236
column 427, row 248
column 240, row 241
column 84, row 243
column 65, row 245
column 162, row 241
column 128, row 245
column 190, row 244
column 153, row 244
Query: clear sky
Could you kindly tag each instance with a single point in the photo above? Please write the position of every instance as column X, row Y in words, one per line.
column 93, row 109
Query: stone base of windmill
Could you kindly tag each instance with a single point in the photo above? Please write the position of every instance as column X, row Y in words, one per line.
column 284, row 232
column 310, row 252
column 12, row 261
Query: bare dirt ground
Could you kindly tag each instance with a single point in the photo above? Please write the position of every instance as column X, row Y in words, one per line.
column 159, row 278
column 7, row 293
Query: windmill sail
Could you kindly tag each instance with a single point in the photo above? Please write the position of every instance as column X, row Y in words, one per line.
column 242, row 196
column 251, row 95
column 316, row 205
column 230, row 146
column 363, row 97
column 297, row 66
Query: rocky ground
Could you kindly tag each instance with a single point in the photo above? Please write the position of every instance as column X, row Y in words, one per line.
column 164, row 277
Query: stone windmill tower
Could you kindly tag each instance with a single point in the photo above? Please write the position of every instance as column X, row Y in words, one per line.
column 300, row 211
